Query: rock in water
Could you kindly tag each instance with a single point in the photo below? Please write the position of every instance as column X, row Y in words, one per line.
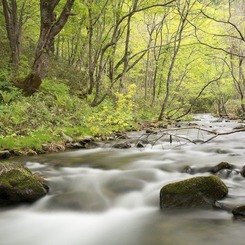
column 18, row 184
column 239, row 213
column 197, row 192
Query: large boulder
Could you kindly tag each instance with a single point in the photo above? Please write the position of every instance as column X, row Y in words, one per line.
column 18, row 184
column 197, row 192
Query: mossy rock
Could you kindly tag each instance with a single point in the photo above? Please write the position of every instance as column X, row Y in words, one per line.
column 221, row 166
column 197, row 192
column 18, row 184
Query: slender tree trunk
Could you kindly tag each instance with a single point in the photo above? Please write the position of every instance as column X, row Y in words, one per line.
column 177, row 42
column 14, row 28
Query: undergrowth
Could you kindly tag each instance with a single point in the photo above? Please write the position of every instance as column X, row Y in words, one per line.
column 32, row 121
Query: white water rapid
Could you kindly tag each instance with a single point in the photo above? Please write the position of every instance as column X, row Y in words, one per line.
column 107, row 196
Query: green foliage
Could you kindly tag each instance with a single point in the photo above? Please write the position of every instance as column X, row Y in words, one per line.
column 90, row 43
column 39, row 119
column 109, row 117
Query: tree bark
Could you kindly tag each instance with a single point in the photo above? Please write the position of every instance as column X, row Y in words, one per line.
column 177, row 43
column 50, row 27
column 13, row 27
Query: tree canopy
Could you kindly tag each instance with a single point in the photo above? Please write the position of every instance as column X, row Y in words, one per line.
column 180, row 56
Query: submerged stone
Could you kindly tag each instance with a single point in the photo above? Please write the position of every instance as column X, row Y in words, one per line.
column 18, row 184
column 197, row 192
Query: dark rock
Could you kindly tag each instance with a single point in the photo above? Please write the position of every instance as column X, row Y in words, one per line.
column 5, row 154
column 239, row 213
column 150, row 131
column 75, row 145
column 120, row 135
column 18, row 184
column 124, row 145
column 139, row 145
column 86, row 139
column 221, row 166
column 197, row 192
column 221, row 169
column 239, row 127
column 164, row 126
column 243, row 171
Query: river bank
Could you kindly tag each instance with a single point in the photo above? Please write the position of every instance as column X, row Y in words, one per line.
column 63, row 142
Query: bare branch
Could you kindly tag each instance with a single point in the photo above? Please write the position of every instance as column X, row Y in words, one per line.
column 225, row 22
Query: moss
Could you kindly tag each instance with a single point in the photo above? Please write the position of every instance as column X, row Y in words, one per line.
column 208, row 185
column 200, row 191
column 19, row 184
column 220, row 166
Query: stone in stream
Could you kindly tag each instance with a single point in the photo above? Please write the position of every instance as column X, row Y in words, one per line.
column 197, row 192
column 243, row 171
column 5, row 154
column 123, row 145
column 239, row 213
column 18, row 184
column 217, row 169
column 221, row 166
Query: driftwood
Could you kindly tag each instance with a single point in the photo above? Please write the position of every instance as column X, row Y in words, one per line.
column 171, row 134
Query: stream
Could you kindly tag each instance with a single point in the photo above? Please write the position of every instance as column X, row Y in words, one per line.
column 110, row 196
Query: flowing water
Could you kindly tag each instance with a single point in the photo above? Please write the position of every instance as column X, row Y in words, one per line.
column 110, row 196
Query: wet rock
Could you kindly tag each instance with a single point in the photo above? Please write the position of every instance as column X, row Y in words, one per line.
column 75, row 145
column 239, row 127
column 124, row 145
column 5, row 154
column 224, row 173
column 221, row 169
column 120, row 135
column 221, row 166
column 239, row 213
column 197, row 192
column 140, row 145
column 52, row 147
column 150, row 131
column 18, row 184
column 243, row 171
column 86, row 139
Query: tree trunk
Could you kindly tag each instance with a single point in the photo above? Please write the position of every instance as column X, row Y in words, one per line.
column 50, row 27
column 177, row 42
column 13, row 28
